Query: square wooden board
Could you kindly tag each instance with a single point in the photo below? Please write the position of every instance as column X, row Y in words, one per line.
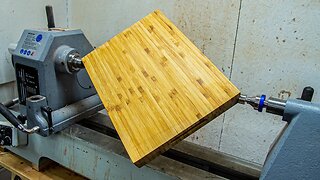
column 157, row 86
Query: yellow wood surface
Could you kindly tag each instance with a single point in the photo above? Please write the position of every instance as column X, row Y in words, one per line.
column 24, row 169
column 157, row 86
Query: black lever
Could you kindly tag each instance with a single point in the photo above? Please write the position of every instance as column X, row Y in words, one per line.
column 5, row 112
column 307, row 93
column 50, row 18
column 48, row 111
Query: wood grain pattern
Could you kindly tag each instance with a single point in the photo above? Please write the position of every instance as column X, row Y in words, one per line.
column 24, row 170
column 157, row 86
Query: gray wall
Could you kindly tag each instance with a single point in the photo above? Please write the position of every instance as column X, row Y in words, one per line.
column 262, row 46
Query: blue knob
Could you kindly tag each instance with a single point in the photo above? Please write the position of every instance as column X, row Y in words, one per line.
column 261, row 102
column 39, row 37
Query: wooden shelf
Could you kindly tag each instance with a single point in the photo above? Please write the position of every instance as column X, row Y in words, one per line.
column 23, row 168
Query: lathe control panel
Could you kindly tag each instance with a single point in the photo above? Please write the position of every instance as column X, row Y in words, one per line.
column 32, row 44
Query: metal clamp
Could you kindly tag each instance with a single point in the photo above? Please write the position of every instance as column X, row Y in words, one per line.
column 272, row 105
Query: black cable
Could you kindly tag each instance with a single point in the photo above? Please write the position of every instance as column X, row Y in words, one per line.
column 10, row 103
column 9, row 116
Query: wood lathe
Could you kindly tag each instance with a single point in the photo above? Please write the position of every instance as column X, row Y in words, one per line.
column 58, row 119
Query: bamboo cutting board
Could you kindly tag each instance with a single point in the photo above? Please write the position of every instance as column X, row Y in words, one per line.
column 157, row 86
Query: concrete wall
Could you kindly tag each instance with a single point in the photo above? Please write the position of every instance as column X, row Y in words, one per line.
column 262, row 46
column 277, row 53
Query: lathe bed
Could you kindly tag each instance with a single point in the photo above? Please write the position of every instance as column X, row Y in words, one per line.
column 92, row 149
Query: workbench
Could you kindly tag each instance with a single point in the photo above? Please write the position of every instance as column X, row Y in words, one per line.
column 23, row 169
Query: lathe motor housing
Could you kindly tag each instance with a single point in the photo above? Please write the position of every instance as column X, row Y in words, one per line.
column 52, row 93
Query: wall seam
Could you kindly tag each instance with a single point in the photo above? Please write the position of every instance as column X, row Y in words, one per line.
column 231, row 68
column 68, row 14
column 235, row 41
